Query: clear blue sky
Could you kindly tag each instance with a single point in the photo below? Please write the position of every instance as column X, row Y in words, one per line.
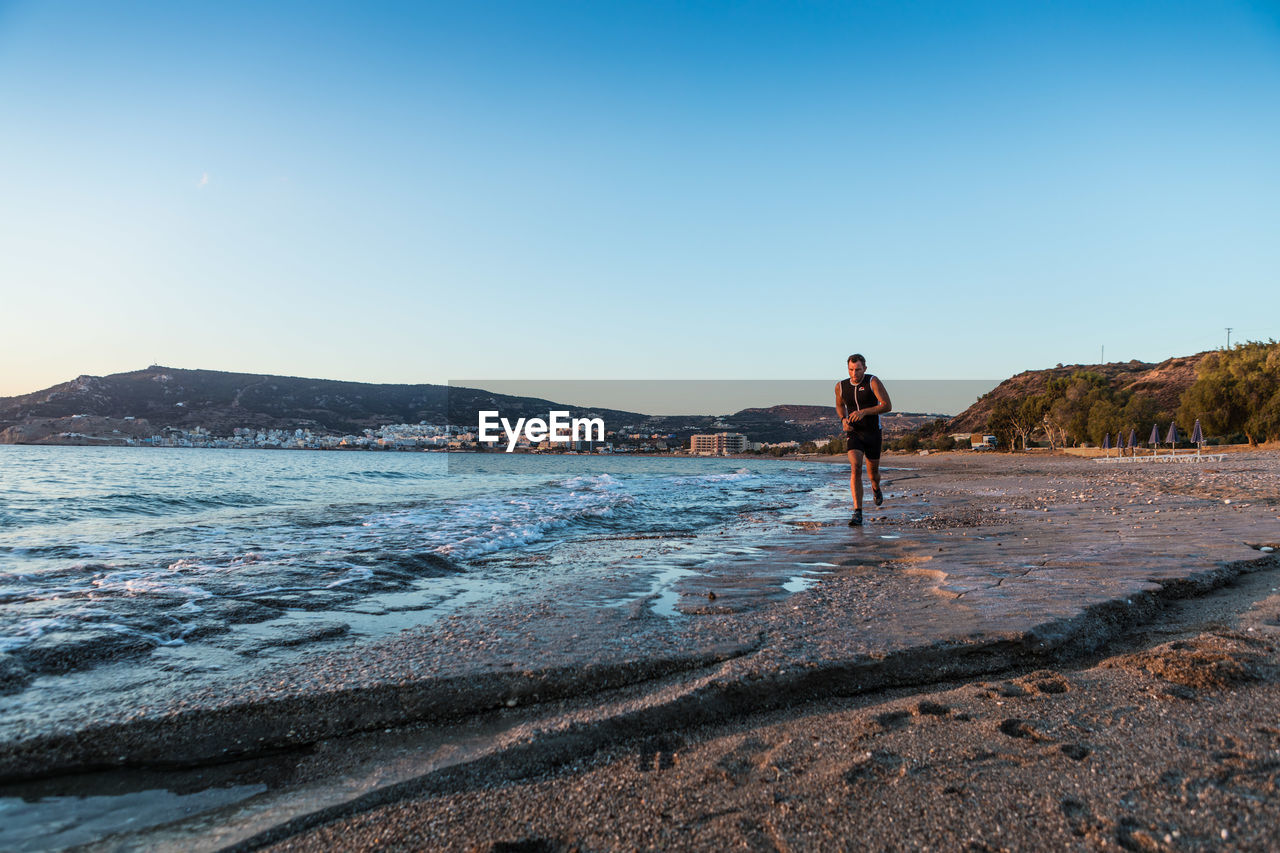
column 424, row 191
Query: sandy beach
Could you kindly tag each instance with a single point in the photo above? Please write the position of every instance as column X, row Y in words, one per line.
column 1016, row 652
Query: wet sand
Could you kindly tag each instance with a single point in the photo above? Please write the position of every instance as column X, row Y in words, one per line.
column 1013, row 652
column 1171, row 747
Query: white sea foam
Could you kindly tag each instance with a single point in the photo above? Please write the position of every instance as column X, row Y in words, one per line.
column 146, row 582
column 149, row 636
column 592, row 482
column 147, row 586
column 353, row 575
column 322, row 531
column 712, row 479
column 27, row 632
column 484, row 525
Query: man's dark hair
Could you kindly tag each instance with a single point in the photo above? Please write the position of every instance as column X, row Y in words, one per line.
column 857, row 356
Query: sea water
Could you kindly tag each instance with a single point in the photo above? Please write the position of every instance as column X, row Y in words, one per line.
column 215, row 556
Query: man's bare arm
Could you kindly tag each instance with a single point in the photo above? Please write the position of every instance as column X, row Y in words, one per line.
column 885, row 405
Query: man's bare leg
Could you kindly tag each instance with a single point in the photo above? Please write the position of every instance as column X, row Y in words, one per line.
column 855, row 477
column 873, row 473
column 855, row 486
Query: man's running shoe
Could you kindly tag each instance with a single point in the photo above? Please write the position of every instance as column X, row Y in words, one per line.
column 856, row 521
column 878, row 495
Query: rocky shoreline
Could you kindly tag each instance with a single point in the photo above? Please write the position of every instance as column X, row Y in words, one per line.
column 978, row 568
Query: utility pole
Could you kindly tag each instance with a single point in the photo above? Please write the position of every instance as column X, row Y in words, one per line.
column 1102, row 354
column 1229, row 328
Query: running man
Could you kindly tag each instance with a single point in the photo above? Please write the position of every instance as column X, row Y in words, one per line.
column 860, row 401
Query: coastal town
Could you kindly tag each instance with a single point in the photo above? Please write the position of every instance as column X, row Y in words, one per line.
column 436, row 437
column 725, row 435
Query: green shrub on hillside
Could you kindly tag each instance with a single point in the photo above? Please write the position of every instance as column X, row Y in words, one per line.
column 1236, row 390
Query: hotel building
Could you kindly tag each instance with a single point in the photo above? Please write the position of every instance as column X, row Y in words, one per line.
column 719, row 444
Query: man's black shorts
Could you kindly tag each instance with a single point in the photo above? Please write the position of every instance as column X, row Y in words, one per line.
column 867, row 442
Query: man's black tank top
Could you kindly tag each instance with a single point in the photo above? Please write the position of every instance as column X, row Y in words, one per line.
column 860, row 397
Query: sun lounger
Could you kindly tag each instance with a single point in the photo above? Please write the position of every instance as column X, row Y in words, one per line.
column 1166, row 457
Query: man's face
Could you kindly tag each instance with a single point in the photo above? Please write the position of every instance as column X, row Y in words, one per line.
column 857, row 370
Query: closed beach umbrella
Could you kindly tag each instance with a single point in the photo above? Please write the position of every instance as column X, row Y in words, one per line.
column 1172, row 437
column 1155, row 435
column 1106, row 441
column 1197, row 437
column 1132, row 435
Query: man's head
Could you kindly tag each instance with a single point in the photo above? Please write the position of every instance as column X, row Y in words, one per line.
column 857, row 367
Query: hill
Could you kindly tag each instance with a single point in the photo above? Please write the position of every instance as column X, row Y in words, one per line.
column 143, row 401
column 1165, row 382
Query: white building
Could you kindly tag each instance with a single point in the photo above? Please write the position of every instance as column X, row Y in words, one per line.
column 718, row 444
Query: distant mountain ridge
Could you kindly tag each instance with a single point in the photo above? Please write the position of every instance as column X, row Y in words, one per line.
column 143, row 403
column 220, row 402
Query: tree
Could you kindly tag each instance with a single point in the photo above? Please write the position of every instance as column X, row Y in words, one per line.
column 943, row 442
column 1054, row 429
column 1001, row 421
column 1236, row 391
column 1266, row 420
column 1140, row 412
column 1104, row 419
column 1067, row 404
column 1029, row 416
column 836, row 446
